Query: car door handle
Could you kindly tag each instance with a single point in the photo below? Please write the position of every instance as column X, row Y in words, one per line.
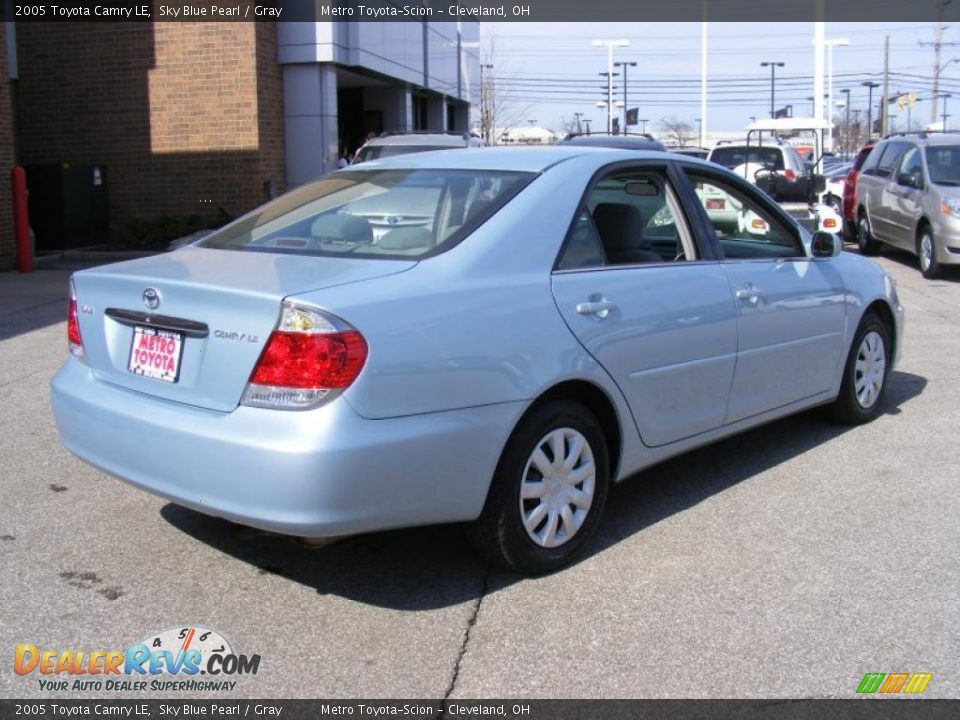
column 748, row 293
column 600, row 308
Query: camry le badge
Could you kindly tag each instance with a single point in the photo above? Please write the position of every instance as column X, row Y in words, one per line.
column 151, row 298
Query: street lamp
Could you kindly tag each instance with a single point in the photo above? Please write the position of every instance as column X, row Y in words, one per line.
column 625, row 65
column 643, row 125
column 831, row 43
column 870, row 85
column 699, row 122
column 610, row 45
column 936, row 85
column 773, row 80
column 846, row 122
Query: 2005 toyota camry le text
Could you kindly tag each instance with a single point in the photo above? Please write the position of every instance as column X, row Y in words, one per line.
column 483, row 337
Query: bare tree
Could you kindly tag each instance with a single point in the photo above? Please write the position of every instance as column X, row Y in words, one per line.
column 569, row 125
column 500, row 106
column 677, row 132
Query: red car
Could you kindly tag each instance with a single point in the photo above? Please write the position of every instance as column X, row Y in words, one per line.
column 850, row 196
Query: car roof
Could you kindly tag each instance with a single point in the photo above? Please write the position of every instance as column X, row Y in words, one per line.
column 628, row 142
column 420, row 139
column 517, row 159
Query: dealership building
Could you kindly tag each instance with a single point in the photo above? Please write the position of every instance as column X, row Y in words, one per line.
column 179, row 119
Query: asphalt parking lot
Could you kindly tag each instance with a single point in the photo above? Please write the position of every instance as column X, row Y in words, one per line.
column 786, row 562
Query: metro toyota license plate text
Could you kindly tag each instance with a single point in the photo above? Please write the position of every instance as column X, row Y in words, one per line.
column 156, row 353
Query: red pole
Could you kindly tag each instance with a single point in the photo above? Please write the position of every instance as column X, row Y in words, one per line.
column 21, row 219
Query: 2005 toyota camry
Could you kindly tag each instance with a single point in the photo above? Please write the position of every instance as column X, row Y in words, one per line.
column 491, row 337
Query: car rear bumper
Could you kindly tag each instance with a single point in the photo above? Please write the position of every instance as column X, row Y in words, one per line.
column 317, row 473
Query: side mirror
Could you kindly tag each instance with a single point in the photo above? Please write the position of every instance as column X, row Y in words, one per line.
column 911, row 180
column 825, row 245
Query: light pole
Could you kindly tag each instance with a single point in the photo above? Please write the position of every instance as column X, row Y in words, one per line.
column 944, row 114
column 625, row 65
column 643, row 125
column 773, row 80
column 699, row 122
column 485, row 128
column 610, row 45
column 846, row 122
column 936, row 85
column 579, row 115
column 870, row 85
column 831, row 43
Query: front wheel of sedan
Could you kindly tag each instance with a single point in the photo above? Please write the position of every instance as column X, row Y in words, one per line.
column 548, row 491
column 865, row 374
column 927, row 254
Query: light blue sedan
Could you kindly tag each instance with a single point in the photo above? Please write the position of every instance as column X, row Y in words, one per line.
column 485, row 337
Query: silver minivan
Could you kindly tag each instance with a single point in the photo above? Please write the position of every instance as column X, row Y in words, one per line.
column 909, row 197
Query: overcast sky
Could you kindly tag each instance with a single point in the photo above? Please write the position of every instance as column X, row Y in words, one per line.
column 548, row 71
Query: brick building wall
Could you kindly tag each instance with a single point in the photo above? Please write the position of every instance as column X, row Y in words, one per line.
column 6, row 160
column 186, row 117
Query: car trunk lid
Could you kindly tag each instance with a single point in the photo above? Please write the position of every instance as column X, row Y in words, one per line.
column 216, row 309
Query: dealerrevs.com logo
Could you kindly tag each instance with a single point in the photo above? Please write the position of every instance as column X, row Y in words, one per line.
column 186, row 658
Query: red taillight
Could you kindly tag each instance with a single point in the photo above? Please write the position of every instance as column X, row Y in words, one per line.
column 790, row 174
column 308, row 360
column 297, row 360
column 74, row 339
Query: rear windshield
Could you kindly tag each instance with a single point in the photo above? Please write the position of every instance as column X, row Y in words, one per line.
column 372, row 152
column 376, row 213
column 731, row 157
column 943, row 164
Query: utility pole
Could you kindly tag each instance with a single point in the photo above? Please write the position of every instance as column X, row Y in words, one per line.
column 945, row 116
column 579, row 115
column 937, row 44
column 625, row 65
column 884, row 110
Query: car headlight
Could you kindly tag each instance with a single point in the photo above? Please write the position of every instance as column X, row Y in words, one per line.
column 951, row 207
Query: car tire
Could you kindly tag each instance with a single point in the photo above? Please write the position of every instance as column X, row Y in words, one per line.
column 849, row 231
column 534, row 501
column 866, row 242
column 930, row 267
column 864, row 374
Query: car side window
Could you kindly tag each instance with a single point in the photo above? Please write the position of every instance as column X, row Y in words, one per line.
column 890, row 159
column 628, row 218
column 871, row 160
column 912, row 163
column 745, row 230
column 582, row 249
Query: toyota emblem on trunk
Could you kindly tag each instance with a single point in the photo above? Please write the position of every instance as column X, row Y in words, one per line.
column 151, row 298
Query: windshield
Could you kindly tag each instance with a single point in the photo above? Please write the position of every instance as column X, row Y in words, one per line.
column 374, row 213
column 734, row 156
column 372, row 152
column 943, row 164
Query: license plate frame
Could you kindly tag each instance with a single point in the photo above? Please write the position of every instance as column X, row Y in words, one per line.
column 153, row 358
column 716, row 204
